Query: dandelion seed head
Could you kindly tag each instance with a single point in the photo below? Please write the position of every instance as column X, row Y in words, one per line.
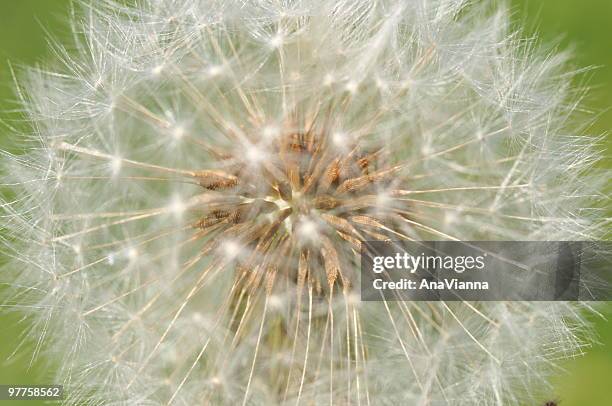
column 259, row 146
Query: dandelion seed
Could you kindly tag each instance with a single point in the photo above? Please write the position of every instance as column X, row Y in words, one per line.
column 277, row 40
column 157, row 70
column 132, row 253
column 351, row 86
column 177, row 207
column 214, row 71
column 178, row 132
column 270, row 132
column 231, row 249
column 116, row 164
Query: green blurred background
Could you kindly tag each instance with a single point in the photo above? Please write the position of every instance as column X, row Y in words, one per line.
column 583, row 25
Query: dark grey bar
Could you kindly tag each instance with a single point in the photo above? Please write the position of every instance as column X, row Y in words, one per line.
column 486, row 270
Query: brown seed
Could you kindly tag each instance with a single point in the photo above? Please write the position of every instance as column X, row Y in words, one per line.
column 215, row 180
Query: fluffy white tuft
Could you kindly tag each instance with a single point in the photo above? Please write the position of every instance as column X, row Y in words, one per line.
column 184, row 226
